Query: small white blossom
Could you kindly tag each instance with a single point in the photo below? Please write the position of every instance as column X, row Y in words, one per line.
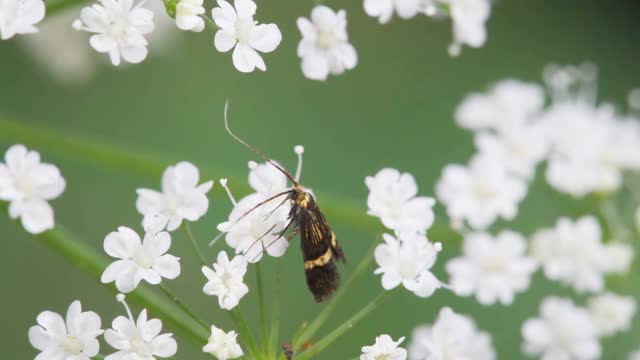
column 452, row 337
column 239, row 30
column 469, row 18
column 225, row 280
column 266, row 179
column 223, row 345
column 138, row 339
column 494, row 269
column 572, row 253
column 480, row 193
column 384, row 349
column 384, row 9
column 612, row 313
column 635, row 355
column 392, row 198
column 563, row 331
column 20, row 17
column 619, row 257
column 188, row 15
column 407, row 261
column 28, row 184
column 74, row 338
column 119, row 29
column 325, row 48
column 181, row 198
column 138, row 259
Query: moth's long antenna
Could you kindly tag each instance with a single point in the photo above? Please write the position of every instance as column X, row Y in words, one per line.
column 261, row 155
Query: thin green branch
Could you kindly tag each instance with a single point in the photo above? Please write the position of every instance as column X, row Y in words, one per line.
column 182, row 305
column 194, row 243
column 261, row 307
column 244, row 331
column 272, row 345
column 209, row 23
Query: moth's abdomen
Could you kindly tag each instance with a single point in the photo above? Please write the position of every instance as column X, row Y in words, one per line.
column 323, row 279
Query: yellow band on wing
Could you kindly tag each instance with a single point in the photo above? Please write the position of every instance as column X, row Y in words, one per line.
column 320, row 261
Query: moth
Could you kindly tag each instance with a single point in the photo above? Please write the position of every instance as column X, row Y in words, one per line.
column 320, row 248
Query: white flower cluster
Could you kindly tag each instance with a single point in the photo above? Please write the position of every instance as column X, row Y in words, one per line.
column 384, row 348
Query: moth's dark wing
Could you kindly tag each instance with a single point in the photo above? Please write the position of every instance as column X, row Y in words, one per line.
column 337, row 250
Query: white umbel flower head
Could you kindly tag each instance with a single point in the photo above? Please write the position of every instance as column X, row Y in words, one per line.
column 62, row 339
column 138, row 259
column 223, row 345
column 181, row 199
column 226, row 280
column 392, row 198
column 452, row 337
column 407, row 261
column 384, row 9
column 325, row 48
column 239, row 30
column 572, row 253
column 469, row 18
column 384, row 349
column 28, row 184
column 266, row 179
column 619, row 257
column 563, row 331
column 494, row 269
column 119, row 29
column 480, row 193
column 138, row 339
column 188, row 15
column 612, row 313
column 20, row 17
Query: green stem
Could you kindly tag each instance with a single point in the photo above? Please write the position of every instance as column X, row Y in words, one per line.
column 98, row 357
column 612, row 219
column 325, row 314
column 209, row 23
column 261, row 306
column 316, row 348
column 244, row 331
column 184, row 306
column 194, row 243
column 272, row 346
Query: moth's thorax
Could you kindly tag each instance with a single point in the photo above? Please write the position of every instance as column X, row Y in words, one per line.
column 302, row 198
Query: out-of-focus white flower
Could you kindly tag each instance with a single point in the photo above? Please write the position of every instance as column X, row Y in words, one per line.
column 507, row 104
column 226, row 280
column 392, row 198
column 138, row 339
column 181, row 198
column 452, row 336
column 266, row 179
column 619, row 257
column 239, row 30
column 493, row 269
column 258, row 231
column 74, row 338
column 119, row 29
column 20, row 17
column 28, row 184
column 563, row 331
column 188, row 15
column 384, row 349
column 572, row 253
column 325, row 48
column 384, row 9
column 407, row 261
column 469, row 18
column 633, row 99
column 635, row 355
column 480, row 193
column 138, row 260
column 612, row 313
column 223, row 345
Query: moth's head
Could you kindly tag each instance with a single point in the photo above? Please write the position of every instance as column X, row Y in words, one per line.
column 301, row 197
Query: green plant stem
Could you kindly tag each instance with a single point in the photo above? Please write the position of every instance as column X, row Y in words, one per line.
column 209, row 23
column 261, row 307
column 98, row 357
column 272, row 345
column 615, row 225
column 186, row 308
column 316, row 348
column 244, row 331
column 326, row 312
column 194, row 243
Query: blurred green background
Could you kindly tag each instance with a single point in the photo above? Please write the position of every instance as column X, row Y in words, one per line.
column 395, row 109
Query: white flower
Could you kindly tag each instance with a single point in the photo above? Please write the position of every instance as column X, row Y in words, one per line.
column 259, row 230
column 119, row 29
column 325, row 48
column 27, row 184
column 225, row 280
column 469, row 18
column 239, row 30
column 572, row 253
column 73, row 338
column 635, row 355
column 223, row 345
column 181, row 198
column 20, row 17
column 493, row 269
column 384, row 349
column 507, row 104
column 451, row 337
column 619, row 257
column 612, row 313
column 138, row 260
column 266, row 179
column 138, row 339
column 188, row 15
column 563, row 331
column 392, row 198
column 384, row 9
column 408, row 261
column 480, row 193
